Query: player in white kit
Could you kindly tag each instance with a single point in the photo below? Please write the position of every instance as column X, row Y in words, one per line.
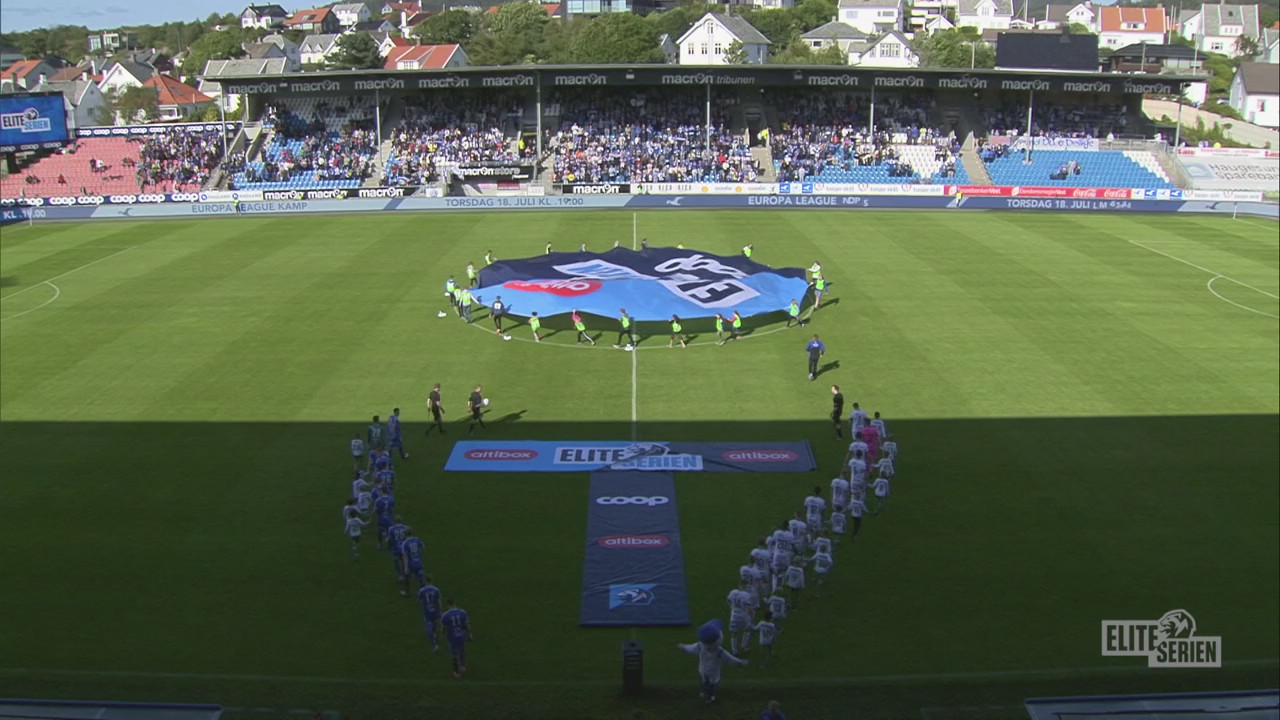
column 768, row 631
column 800, row 530
column 837, row 521
column 878, row 424
column 839, row 491
column 795, row 580
column 822, row 564
column 741, row 609
column 857, row 419
column 351, row 527
column 884, row 466
column 814, row 506
column 881, row 486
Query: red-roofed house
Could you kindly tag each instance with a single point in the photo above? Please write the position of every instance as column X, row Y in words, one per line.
column 25, row 74
column 314, row 20
column 426, row 57
column 551, row 9
column 1121, row 26
column 390, row 42
column 177, row 100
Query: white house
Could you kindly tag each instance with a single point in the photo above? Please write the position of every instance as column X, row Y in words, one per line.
column 81, row 97
column 1255, row 93
column 1121, row 26
column 891, row 50
column 708, row 41
column 872, row 16
column 316, row 49
column 775, row 4
column 936, row 23
column 1218, row 28
column 262, row 16
column 985, row 14
column 124, row 74
column 837, row 34
column 1065, row 15
column 426, row 57
column 349, row 14
column 292, row 52
column 1269, row 48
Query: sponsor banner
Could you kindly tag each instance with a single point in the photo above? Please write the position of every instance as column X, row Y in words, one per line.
column 1056, row 143
column 654, row 284
column 596, row 188
column 339, row 193
column 848, row 202
column 600, row 455
column 499, row 173
column 708, row 188
column 1231, row 195
column 873, row 189
column 1229, row 152
column 633, row 567
column 1232, row 173
column 139, row 130
column 23, row 214
column 512, row 203
column 1047, row 192
column 32, row 121
column 1069, row 204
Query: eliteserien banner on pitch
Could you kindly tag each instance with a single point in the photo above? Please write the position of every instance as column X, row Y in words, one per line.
column 598, row 455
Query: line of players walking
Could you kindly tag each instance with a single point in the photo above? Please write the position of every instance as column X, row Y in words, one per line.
column 775, row 576
column 372, row 460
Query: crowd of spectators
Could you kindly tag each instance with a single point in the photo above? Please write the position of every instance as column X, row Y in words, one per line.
column 1057, row 120
column 633, row 137
column 822, row 132
column 311, row 149
column 168, row 161
column 468, row 129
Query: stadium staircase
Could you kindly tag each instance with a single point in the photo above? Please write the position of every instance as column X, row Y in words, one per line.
column 972, row 163
column 385, row 152
column 763, row 156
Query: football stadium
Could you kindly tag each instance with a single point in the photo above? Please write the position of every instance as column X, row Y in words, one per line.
column 552, row 391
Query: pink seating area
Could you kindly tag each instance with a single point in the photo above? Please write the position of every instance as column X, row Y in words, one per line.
column 116, row 174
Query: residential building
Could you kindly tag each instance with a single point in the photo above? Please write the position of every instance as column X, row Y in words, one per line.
column 426, row 57
column 391, row 42
column 836, row 34
column 1143, row 58
column 1269, row 47
column 395, row 8
column 1218, row 28
column 1121, row 26
column 316, row 49
column 177, row 100
column 81, row 98
column 25, row 74
column 263, row 16
column 891, row 50
column 110, row 41
column 985, row 14
column 314, row 20
column 409, row 21
column 382, row 26
column 292, row 51
column 773, row 4
column 215, row 70
column 670, row 51
column 124, row 74
column 925, row 13
column 872, row 17
column 934, row 23
column 1255, row 93
column 601, row 7
column 349, row 14
column 708, row 41
column 1065, row 15
column 9, row 55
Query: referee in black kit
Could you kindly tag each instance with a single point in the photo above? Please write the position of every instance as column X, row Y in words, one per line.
column 837, row 410
column 437, row 410
column 476, row 403
column 816, row 350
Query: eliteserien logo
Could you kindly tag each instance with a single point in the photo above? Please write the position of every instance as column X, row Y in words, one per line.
column 638, row 456
column 1168, row 642
column 27, row 121
column 634, row 500
column 631, row 594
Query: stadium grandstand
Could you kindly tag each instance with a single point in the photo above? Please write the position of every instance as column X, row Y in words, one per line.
column 478, row 131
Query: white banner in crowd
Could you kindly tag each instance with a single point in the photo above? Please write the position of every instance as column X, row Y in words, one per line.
column 1056, row 143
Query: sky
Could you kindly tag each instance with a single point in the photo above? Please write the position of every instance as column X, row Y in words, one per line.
column 19, row 15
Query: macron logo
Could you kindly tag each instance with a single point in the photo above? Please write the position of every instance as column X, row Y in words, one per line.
column 760, row 456
column 493, row 454
column 633, row 541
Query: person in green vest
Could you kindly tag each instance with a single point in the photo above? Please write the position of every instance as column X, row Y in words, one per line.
column 581, row 327
column 793, row 314
column 535, row 324
column 677, row 333
column 748, row 249
column 471, row 275
column 465, row 298
column 548, row 248
column 719, row 329
column 735, row 324
column 819, row 287
column 488, row 258
column 624, row 320
column 451, row 289
column 816, row 269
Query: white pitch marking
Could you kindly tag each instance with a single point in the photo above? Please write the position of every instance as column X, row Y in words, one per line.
column 55, row 277
column 57, row 292
column 1209, row 285
column 1203, row 268
column 635, row 417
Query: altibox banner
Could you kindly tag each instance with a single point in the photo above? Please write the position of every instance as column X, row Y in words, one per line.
column 652, row 285
column 633, row 568
column 595, row 455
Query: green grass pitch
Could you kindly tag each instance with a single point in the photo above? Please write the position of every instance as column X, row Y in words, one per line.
column 1087, row 407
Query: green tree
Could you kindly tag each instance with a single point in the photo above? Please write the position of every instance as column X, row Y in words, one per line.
column 735, row 53
column 616, row 38
column 558, row 38
column 131, row 105
column 677, row 21
column 450, row 26
column 1246, row 47
column 356, row 51
column 510, row 36
column 799, row 53
column 1078, row 29
column 954, row 48
column 221, row 45
column 831, row 55
column 813, row 13
column 781, row 26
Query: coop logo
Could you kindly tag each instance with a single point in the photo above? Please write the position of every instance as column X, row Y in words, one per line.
column 27, row 121
column 501, row 454
column 760, row 456
column 560, row 288
column 632, row 595
column 654, row 501
column 1170, row 642
column 625, row 542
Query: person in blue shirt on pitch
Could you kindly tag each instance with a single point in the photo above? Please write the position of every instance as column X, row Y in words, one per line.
column 411, row 550
column 395, row 537
column 394, row 438
column 387, row 478
column 380, row 460
column 457, row 629
column 384, row 508
column 429, row 597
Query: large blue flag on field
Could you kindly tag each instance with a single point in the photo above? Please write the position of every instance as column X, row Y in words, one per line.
column 652, row 284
